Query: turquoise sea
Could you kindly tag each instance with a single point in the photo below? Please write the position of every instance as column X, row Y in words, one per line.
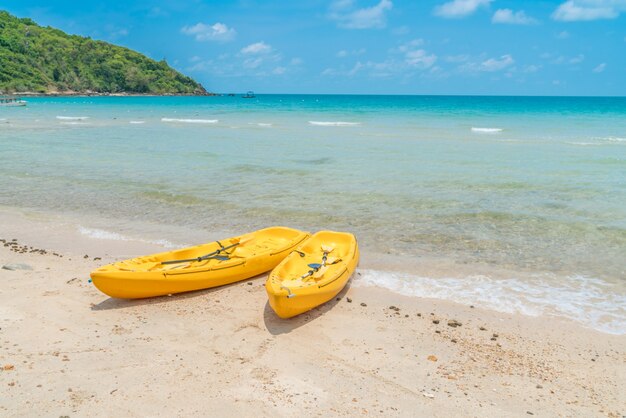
column 518, row 203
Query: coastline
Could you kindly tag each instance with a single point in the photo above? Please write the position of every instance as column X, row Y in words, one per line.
column 100, row 94
column 223, row 349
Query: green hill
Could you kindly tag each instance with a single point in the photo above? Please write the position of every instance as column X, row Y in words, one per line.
column 44, row 59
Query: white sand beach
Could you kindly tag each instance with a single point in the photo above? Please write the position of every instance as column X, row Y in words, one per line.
column 68, row 350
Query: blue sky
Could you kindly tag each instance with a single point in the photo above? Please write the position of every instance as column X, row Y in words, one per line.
column 565, row 47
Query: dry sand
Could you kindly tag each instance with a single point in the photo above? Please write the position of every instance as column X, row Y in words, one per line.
column 67, row 349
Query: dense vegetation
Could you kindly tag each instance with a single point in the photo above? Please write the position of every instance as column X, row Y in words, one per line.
column 38, row 59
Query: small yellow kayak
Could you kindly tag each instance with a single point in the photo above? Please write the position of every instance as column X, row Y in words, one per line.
column 200, row 267
column 312, row 274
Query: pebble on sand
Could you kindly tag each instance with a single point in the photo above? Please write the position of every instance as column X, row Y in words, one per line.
column 454, row 323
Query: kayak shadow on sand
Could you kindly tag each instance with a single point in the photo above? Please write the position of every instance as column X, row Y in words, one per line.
column 276, row 325
column 116, row 303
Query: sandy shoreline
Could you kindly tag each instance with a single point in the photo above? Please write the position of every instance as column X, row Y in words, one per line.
column 67, row 349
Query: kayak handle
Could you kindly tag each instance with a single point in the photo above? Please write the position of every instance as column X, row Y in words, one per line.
column 289, row 294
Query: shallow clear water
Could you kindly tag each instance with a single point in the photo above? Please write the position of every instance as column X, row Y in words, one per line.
column 522, row 184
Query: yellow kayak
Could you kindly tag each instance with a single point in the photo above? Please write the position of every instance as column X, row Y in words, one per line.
column 200, row 267
column 313, row 274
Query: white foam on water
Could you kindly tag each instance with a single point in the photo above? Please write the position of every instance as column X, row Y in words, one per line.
column 613, row 139
column 585, row 144
column 73, row 123
column 101, row 234
column 330, row 123
column 72, row 117
column 487, row 130
column 590, row 301
column 599, row 141
column 114, row 236
column 174, row 120
column 265, row 125
column 137, row 122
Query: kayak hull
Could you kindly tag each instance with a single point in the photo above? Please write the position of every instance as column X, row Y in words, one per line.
column 289, row 295
column 250, row 255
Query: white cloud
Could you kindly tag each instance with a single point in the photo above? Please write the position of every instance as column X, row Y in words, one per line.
column 120, row 32
column 563, row 35
column 577, row 59
column 457, row 58
column 580, row 10
column 115, row 32
column 373, row 17
column 157, row 12
column 460, row 8
column 495, row 64
column 489, row 65
column 531, row 68
column 252, row 63
column 279, row 70
column 402, row 30
column 215, row 32
column 344, row 53
column 414, row 56
column 420, row 59
column 508, row 16
column 412, row 44
column 600, row 68
column 296, row 61
column 201, row 66
column 256, row 48
column 562, row 59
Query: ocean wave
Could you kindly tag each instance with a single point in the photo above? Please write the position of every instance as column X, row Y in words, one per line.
column 599, row 141
column 487, row 130
column 73, row 123
column 72, row 117
column 330, row 123
column 114, row 236
column 174, row 120
column 584, row 144
column 137, row 122
column 590, row 301
column 265, row 125
column 611, row 139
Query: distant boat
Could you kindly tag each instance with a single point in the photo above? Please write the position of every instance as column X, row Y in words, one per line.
column 249, row 95
column 11, row 102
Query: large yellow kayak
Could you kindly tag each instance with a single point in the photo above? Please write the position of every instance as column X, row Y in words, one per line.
column 312, row 274
column 200, row 267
